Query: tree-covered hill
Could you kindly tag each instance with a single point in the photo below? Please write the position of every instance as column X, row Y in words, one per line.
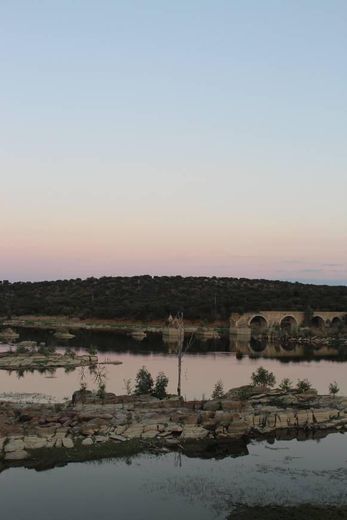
column 146, row 297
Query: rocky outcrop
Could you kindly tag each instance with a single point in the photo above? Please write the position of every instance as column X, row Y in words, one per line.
column 88, row 422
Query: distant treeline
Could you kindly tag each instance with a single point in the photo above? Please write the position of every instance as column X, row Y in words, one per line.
column 149, row 298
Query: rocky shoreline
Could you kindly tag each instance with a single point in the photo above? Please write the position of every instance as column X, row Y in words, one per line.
column 36, row 361
column 88, row 427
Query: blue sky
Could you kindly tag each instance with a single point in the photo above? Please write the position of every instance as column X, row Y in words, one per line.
column 177, row 137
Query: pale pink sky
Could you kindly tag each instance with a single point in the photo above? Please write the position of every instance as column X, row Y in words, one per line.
column 193, row 139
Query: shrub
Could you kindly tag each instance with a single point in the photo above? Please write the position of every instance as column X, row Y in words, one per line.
column 263, row 377
column 161, row 383
column 303, row 385
column 101, row 390
column 334, row 388
column 46, row 350
column 286, row 384
column 128, row 386
column 144, row 382
column 218, row 390
column 21, row 349
column 69, row 352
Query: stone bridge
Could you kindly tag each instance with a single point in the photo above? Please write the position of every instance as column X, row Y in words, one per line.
column 263, row 321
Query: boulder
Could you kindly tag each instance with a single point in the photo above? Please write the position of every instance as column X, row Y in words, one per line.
column 150, row 434
column 134, row 431
column 67, row 442
column 87, row 442
column 2, row 442
column 232, row 404
column 212, row 405
column 14, row 444
column 16, row 455
column 116, row 437
column 34, row 443
column 101, row 438
column 194, row 432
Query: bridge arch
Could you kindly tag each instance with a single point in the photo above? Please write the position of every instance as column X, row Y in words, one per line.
column 317, row 322
column 258, row 324
column 288, row 323
column 336, row 323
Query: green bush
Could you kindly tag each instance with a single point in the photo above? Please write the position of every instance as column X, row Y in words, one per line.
column 144, row 382
column 263, row 377
column 334, row 388
column 286, row 384
column 21, row 349
column 46, row 350
column 160, row 386
column 303, row 385
column 218, row 390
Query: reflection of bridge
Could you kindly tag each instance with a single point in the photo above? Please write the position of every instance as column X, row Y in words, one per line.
column 259, row 322
column 267, row 349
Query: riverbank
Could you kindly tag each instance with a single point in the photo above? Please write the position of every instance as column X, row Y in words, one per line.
column 65, row 328
column 88, row 427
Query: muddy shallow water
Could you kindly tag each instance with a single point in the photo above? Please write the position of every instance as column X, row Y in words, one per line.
column 286, row 473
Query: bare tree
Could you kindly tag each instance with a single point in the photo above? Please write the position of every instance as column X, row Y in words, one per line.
column 181, row 348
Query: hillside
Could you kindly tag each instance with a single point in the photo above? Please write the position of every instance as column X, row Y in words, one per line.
column 146, row 297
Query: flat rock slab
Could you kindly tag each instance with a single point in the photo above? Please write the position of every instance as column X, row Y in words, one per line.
column 16, row 455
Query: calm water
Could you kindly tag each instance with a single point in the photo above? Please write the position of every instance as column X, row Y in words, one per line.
column 203, row 364
column 171, row 487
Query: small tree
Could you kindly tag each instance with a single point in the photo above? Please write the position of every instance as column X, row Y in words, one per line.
column 128, row 386
column 144, row 382
column 218, row 390
column 83, row 383
column 22, row 349
column 303, row 385
column 160, row 386
column 100, row 379
column 286, row 384
column 263, row 377
column 334, row 388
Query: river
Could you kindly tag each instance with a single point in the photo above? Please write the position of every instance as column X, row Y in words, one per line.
column 203, row 364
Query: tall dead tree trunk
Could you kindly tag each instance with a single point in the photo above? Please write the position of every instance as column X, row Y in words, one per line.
column 180, row 326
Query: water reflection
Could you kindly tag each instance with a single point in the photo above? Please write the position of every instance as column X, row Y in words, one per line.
column 262, row 346
column 257, row 346
column 171, row 486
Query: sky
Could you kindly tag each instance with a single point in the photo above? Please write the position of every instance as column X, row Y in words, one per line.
column 194, row 137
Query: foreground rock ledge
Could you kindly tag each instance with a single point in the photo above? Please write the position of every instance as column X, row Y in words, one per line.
column 89, row 427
